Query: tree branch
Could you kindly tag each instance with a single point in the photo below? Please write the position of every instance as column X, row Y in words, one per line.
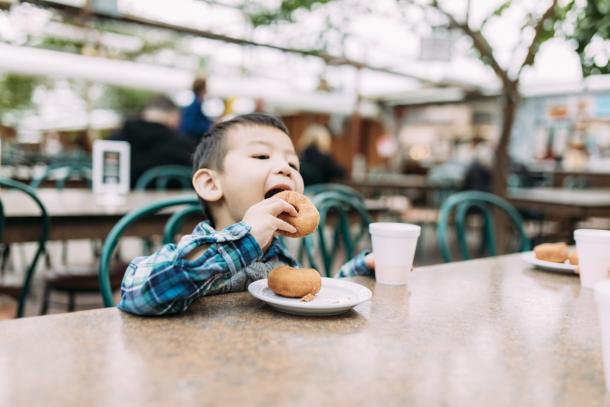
column 480, row 43
column 538, row 30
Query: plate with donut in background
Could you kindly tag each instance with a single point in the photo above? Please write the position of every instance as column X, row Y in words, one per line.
column 554, row 257
column 335, row 296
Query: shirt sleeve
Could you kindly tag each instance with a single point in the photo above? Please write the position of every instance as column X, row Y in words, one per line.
column 168, row 283
column 356, row 267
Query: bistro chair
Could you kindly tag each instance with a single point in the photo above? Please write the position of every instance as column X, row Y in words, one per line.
column 337, row 212
column 483, row 202
column 164, row 175
column 61, row 172
column 117, row 231
column 160, row 178
column 21, row 294
column 342, row 189
column 70, row 280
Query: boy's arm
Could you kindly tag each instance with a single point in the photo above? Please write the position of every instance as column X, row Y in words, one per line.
column 169, row 280
column 361, row 265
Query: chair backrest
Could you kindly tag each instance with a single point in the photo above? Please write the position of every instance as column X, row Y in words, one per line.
column 346, row 190
column 174, row 223
column 42, row 239
column 348, row 220
column 482, row 202
column 117, row 231
column 63, row 171
column 163, row 175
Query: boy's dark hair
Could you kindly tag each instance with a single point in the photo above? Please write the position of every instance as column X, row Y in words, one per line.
column 211, row 150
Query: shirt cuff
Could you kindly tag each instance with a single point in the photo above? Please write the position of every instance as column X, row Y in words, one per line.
column 357, row 267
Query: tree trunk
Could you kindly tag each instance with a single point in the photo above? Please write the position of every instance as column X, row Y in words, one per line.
column 510, row 103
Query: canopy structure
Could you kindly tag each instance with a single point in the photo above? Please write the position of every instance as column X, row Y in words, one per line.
column 327, row 60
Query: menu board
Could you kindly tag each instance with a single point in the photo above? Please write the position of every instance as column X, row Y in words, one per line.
column 111, row 162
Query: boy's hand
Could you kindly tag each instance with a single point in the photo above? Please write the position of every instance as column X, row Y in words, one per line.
column 263, row 219
column 369, row 261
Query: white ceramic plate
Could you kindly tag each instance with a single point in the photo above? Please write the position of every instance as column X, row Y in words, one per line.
column 530, row 258
column 335, row 297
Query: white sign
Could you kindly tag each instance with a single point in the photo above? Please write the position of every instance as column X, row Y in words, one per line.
column 111, row 163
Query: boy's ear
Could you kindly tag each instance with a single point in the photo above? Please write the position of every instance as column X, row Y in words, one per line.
column 207, row 184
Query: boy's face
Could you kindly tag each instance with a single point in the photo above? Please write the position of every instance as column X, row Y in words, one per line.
column 260, row 160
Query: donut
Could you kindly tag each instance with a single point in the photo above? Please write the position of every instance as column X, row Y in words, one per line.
column 308, row 216
column 555, row 252
column 294, row 282
column 573, row 257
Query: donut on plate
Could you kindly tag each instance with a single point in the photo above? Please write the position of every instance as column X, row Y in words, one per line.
column 294, row 282
column 308, row 216
column 555, row 252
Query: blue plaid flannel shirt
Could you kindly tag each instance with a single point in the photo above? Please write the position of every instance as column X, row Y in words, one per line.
column 166, row 282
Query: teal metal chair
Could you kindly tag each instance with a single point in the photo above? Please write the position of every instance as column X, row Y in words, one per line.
column 347, row 219
column 42, row 239
column 463, row 202
column 342, row 189
column 174, row 223
column 61, row 172
column 68, row 279
column 163, row 175
column 117, row 231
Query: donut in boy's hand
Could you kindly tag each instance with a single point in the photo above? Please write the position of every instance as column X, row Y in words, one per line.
column 294, row 283
column 308, row 216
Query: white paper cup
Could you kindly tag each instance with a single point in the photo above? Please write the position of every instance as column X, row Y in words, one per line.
column 593, row 247
column 394, row 247
column 602, row 297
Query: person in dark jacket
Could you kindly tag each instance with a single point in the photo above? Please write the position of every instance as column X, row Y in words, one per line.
column 154, row 139
column 317, row 165
column 193, row 122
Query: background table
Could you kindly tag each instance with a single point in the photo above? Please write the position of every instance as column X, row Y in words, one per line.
column 579, row 203
column 77, row 214
column 484, row 332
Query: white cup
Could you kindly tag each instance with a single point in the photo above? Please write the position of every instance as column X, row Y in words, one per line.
column 602, row 298
column 394, row 247
column 593, row 247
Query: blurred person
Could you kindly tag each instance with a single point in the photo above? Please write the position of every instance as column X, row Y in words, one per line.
column 193, row 122
column 154, row 138
column 478, row 170
column 317, row 165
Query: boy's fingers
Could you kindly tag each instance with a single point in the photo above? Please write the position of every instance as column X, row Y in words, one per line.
column 284, row 226
column 280, row 206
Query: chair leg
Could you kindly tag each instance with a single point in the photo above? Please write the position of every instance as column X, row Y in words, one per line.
column 6, row 252
column 64, row 252
column 71, row 302
column 45, row 300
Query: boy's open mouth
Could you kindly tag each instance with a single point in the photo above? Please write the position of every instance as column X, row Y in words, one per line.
column 276, row 190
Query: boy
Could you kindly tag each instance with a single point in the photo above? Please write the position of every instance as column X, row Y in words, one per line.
column 239, row 165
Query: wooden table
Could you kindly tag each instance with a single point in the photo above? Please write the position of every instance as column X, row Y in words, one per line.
column 488, row 332
column 76, row 214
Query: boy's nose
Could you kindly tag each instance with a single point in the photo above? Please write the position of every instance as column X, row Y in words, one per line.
column 283, row 168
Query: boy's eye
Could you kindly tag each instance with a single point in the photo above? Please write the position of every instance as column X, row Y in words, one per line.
column 261, row 156
column 296, row 167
